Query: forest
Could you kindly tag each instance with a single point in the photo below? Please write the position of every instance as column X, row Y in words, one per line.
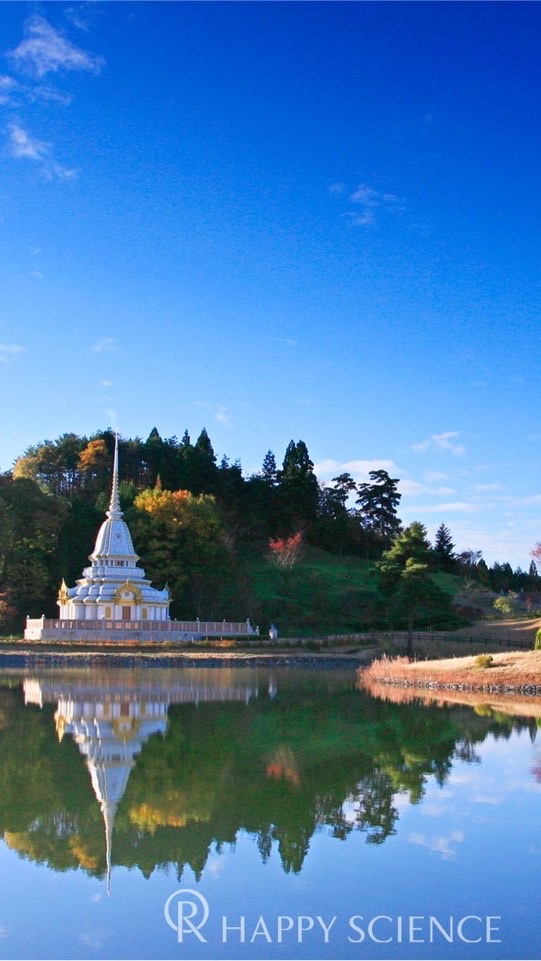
column 274, row 546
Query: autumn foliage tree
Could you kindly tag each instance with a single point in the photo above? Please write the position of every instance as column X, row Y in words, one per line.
column 286, row 551
column 181, row 537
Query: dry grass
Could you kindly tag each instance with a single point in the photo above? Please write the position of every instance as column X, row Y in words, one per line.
column 509, row 671
column 508, row 628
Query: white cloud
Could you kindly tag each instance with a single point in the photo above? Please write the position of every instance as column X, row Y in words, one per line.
column 221, row 416
column 439, row 844
column 23, row 145
column 483, row 488
column 413, row 488
column 60, row 171
column 370, row 202
column 443, row 442
column 44, row 51
column 8, row 352
column 220, row 413
column 530, row 500
column 107, row 345
column 434, row 476
column 49, row 94
column 366, row 196
column 337, row 187
column 359, row 469
column 452, row 507
column 7, row 87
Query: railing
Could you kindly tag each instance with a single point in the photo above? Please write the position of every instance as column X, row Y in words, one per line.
column 379, row 637
column 196, row 627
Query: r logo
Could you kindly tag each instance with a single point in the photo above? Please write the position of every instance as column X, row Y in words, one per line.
column 190, row 914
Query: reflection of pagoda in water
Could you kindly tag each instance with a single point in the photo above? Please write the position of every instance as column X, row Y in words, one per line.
column 111, row 721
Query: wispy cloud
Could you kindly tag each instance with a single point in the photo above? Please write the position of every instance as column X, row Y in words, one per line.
column 451, row 507
column 219, row 412
column 368, row 201
column 337, row 188
column 359, row 469
column 107, row 345
column 221, row 416
column 112, row 414
column 442, row 845
column 484, row 488
column 8, row 352
column 434, row 476
column 44, row 50
column 8, row 86
column 24, row 146
column 413, row 488
column 445, row 442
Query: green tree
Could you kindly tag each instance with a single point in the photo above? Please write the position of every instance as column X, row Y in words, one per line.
column 377, row 509
column 404, row 576
column 30, row 521
column 504, row 606
column 269, row 471
column 299, row 489
column 412, row 543
column 444, row 548
column 198, row 471
column 180, row 538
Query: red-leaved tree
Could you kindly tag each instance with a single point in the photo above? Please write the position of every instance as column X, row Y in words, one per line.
column 285, row 551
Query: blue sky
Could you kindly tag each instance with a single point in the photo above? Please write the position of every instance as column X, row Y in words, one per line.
column 315, row 221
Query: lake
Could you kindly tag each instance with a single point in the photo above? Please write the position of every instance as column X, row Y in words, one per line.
column 243, row 813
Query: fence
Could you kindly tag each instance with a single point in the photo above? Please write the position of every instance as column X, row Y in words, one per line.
column 43, row 628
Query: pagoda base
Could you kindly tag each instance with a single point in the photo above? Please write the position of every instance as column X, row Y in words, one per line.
column 56, row 629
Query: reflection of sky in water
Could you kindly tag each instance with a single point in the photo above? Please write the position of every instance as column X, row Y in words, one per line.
column 478, row 795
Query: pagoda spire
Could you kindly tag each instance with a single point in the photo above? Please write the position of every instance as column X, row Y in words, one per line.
column 114, row 511
column 108, row 810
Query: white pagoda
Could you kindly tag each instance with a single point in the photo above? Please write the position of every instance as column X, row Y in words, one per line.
column 113, row 587
column 114, row 600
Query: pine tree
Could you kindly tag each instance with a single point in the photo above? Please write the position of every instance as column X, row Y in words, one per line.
column 298, row 490
column 443, row 548
column 269, row 471
column 378, row 502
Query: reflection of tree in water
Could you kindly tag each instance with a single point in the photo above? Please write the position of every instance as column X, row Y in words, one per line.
column 277, row 768
column 375, row 812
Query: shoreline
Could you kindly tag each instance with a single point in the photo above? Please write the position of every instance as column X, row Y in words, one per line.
column 509, row 673
column 25, row 655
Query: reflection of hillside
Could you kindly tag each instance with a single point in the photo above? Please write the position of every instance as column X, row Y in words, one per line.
column 182, row 768
column 510, row 704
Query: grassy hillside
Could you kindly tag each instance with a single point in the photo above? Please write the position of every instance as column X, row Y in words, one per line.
column 321, row 594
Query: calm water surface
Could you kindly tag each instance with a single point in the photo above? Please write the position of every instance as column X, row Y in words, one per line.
column 211, row 813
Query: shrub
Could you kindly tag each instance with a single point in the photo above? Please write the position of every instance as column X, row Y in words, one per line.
column 504, row 606
column 483, row 661
column 537, row 641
